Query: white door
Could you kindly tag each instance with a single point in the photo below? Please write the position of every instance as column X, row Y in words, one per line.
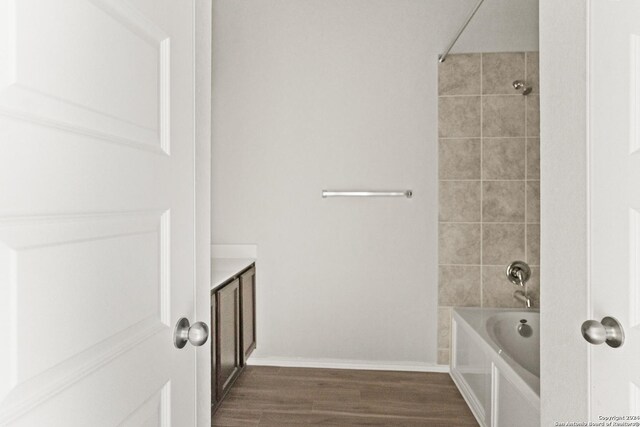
column 614, row 108
column 96, row 212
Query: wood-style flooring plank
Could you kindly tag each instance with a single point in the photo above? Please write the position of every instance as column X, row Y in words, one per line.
column 277, row 418
column 271, row 396
column 360, row 420
column 232, row 417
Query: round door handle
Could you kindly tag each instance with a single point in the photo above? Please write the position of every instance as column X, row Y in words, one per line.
column 197, row 334
column 607, row 331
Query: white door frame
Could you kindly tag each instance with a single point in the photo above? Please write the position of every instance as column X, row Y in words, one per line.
column 203, row 22
column 564, row 194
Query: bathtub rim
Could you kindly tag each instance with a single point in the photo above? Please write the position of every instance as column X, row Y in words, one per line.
column 508, row 367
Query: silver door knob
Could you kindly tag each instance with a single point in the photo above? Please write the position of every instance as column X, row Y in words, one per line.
column 608, row 330
column 197, row 334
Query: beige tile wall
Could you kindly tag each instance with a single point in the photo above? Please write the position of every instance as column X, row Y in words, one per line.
column 489, row 191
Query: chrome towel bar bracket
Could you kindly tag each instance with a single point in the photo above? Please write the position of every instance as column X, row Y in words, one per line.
column 399, row 193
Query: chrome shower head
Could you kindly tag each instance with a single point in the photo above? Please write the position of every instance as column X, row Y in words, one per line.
column 520, row 85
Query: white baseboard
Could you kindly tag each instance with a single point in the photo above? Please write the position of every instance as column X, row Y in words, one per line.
column 347, row 364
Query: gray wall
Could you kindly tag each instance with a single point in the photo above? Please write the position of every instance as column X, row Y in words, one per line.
column 336, row 94
column 498, row 26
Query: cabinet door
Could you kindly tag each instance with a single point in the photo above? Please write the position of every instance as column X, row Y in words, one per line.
column 248, row 307
column 213, row 342
column 228, row 336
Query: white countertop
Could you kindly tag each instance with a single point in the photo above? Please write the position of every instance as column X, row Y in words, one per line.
column 222, row 269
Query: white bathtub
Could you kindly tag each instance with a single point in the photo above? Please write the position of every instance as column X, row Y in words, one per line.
column 495, row 362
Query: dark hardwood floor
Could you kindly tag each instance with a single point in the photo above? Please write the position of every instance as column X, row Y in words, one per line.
column 270, row 396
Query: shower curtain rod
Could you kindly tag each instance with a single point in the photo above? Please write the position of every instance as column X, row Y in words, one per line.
column 442, row 57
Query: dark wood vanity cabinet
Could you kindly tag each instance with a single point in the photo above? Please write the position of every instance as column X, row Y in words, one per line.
column 234, row 331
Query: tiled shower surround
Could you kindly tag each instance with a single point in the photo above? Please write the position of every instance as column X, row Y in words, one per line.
column 489, row 188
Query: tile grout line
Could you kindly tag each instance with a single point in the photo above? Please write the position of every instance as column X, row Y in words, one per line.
column 480, row 94
column 491, row 180
column 526, row 172
column 439, row 345
column 481, row 178
column 478, row 137
column 478, row 265
column 488, row 222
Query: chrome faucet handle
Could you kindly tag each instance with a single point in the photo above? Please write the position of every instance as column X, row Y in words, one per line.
column 518, row 273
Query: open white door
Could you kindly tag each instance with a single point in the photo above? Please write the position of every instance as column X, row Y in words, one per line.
column 96, row 212
column 614, row 110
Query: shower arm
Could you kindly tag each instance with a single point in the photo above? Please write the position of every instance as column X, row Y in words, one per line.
column 442, row 57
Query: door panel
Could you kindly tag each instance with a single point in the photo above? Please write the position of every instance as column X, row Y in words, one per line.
column 101, row 249
column 96, row 212
column 151, row 412
column 614, row 89
column 70, row 94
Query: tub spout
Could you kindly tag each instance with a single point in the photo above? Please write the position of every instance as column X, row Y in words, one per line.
column 522, row 296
